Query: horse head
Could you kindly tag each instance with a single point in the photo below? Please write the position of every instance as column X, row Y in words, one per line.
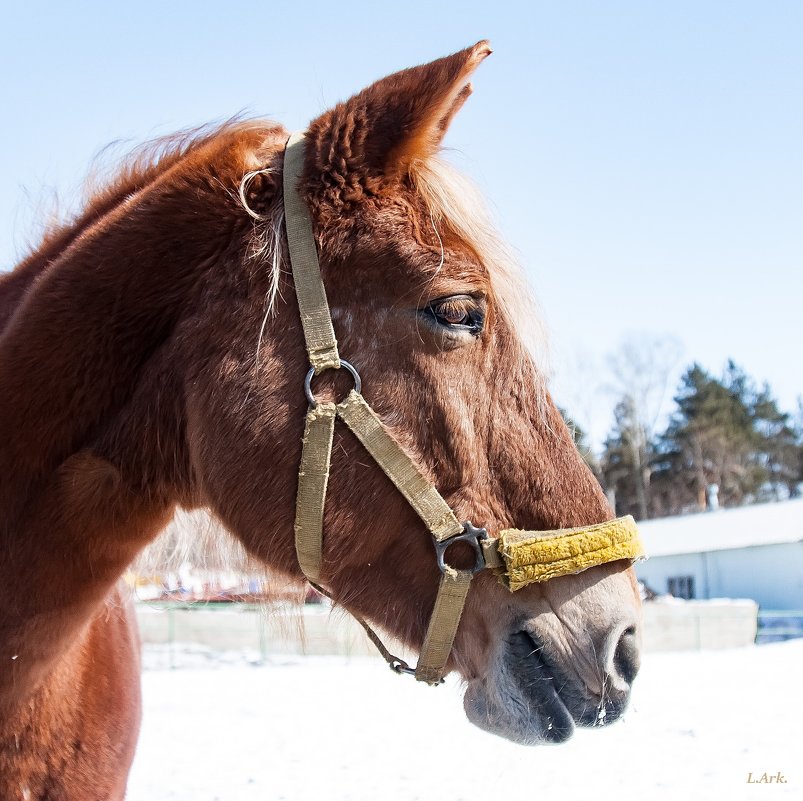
column 428, row 306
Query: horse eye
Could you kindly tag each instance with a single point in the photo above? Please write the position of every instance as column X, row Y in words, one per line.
column 457, row 312
column 452, row 313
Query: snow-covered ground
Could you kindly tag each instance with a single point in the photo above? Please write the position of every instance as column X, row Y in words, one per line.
column 348, row 730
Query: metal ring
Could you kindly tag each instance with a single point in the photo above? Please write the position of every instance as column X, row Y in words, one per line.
column 311, row 372
column 471, row 535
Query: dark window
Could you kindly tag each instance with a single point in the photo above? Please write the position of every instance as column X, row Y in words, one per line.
column 681, row 586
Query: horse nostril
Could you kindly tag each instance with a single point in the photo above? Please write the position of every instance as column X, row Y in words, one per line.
column 626, row 656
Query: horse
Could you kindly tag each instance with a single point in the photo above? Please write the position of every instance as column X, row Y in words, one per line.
column 152, row 358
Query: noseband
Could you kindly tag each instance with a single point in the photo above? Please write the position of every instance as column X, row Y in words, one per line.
column 517, row 557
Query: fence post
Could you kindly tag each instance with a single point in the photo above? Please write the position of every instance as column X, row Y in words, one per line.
column 171, row 637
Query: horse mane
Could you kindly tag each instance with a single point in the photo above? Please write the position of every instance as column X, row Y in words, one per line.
column 452, row 199
column 104, row 190
column 194, row 537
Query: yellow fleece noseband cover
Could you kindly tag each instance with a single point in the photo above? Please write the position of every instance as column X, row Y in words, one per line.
column 531, row 556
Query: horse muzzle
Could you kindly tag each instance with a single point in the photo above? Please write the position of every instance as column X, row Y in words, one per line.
column 565, row 656
column 530, row 697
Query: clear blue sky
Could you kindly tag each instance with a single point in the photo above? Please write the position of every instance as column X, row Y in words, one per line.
column 644, row 158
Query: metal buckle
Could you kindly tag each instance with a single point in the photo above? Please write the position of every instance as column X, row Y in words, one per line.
column 311, row 373
column 470, row 534
column 401, row 667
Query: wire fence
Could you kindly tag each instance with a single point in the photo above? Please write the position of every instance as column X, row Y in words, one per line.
column 779, row 625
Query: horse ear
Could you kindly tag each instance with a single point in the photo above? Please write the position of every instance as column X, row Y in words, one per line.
column 375, row 136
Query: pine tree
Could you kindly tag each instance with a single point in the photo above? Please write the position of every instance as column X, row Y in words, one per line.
column 779, row 446
column 798, row 427
column 721, row 434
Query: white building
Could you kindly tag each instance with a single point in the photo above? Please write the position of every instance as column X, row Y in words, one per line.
column 750, row 552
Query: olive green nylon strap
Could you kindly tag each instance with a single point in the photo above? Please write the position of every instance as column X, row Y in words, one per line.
column 443, row 625
column 313, row 476
column 438, row 518
column 315, row 318
column 399, row 467
column 319, row 431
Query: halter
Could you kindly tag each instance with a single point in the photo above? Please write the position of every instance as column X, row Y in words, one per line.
column 517, row 557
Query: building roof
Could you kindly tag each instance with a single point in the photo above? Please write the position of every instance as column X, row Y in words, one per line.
column 744, row 527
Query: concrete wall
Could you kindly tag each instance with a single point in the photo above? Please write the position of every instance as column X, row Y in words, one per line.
column 316, row 630
column 699, row 625
column 770, row 575
column 268, row 630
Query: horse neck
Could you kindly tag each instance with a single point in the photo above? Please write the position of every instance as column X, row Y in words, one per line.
column 14, row 285
column 93, row 458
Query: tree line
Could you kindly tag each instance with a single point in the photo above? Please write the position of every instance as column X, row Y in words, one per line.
column 725, row 443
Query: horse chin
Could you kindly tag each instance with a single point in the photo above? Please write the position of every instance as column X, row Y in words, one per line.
column 527, row 699
column 517, row 699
